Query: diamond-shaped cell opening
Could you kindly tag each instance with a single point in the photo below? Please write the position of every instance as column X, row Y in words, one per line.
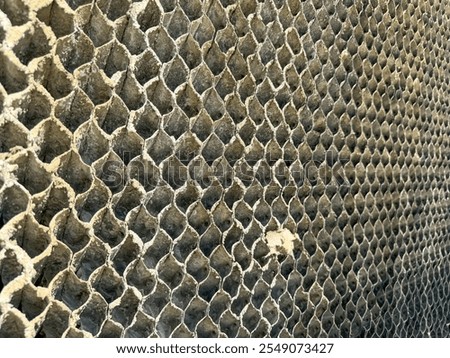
column 178, row 24
column 194, row 313
column 93, row 314
column 169, row 319
column 184, row 293
column 126, row 253
column 56, row 321
column 16, row 10
column 189, row 51
column 13, row 325
column 129, row 90
column 70, row 290
column 143, row 327
column 127, row 145
column 70, row 231
column 130, row 198
column 57, row 261
column 174, row 173
column 150, row 16
column 161, row 43
column 140, row 277
column 12, row 135
column 74, row 110
column 125, row 311
column 146, row 121
column 158, row 248
column 74, row 172
column 197, row 265
column 229, row 324
column 157, row 300
column 33, row 43
column 58, row 18
column 14, row 200
column 108, row 283
column 159, row 147
column 88, row 203
column 112, row 115
column 160, row 96
column 89, row 259
column 74, row 50
column 159, row 199
column 114, row 9
column 47, row 204
column 147, row 66
column 145, row 172
column 53, row 78
column 173, row 222
column 129, row 34
column 170, row 271
column 202, row 78
column 112, row 58
column 95, row 25
column 231, row 283
column 108, row 228
column 110, row 329
column 184, row 245
column 111, row 170
column 10, row 267
column 30, row 236
column 94, row 83
column 52, row 140
column 12, row 78
column 34, row 106
column 206, row 328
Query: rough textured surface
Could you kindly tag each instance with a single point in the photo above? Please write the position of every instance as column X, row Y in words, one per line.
column 149, row 150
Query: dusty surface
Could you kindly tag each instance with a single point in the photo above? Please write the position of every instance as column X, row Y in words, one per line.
column 224, row 168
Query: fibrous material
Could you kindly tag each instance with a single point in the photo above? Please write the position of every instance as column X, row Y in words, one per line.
column 224, row 168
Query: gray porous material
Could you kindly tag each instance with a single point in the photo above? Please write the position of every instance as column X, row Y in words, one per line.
column 224, row 168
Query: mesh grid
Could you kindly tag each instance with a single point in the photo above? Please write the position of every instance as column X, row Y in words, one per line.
column 224, row 168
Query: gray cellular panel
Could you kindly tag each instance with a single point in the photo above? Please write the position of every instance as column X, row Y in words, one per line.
column 224, row 168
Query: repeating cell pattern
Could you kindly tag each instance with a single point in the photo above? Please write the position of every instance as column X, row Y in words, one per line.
column 223, row 168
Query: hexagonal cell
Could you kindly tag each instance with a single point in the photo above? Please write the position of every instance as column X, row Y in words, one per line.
column 110, row 329
column 108, row 228
column 47, row 204
column 57, row 261
column 90, row 202
column 129, row 34
column 16, row 11
column 53, row 78
column 33, row 43
column 13, row 201
column 94, row 83
column 170, row 271
column 34, row 106
column 57, row 17
column 12, row 135
column 127, row 145
column 111, row 170
column 127, row 252
column 13, row 325
column 126, row 309
column 112, row 115
column 157, row 300
column 30, row 236
column 194, row 313
column 10, row 267
column 129, row 90
column 159, row 247
column 74, row 109
column 70, row 290
column 108, row 283
column 75, row 50
column 112, row 58
column 140, row 277
column 95, row 25
column 69, row 230
column 93, row 314
column 88, row 260
column 56, row 321
column 147, row 66
column 114, row 8
column 160, row 96
column 142, row 327
column 52, row 140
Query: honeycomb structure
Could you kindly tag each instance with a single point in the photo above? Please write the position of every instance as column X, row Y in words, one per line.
column 223, row 168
